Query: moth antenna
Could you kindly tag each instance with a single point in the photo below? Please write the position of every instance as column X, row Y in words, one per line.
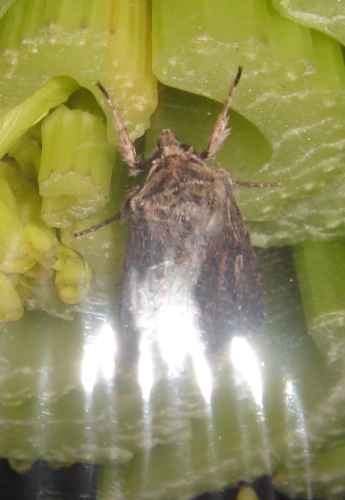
column 221, row 130
column 100, row 225
column 125, row 145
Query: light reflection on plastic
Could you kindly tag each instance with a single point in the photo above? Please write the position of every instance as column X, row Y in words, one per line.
column 203, row 376
column 145, row 370
column 295, row 409
column 99, row 356
column 168, row 323
column 247, row 367
column 248, row 374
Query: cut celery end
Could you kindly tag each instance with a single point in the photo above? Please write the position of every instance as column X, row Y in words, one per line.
column 76, row 165
column 73, row 276
column 42, row 243
column 93, row 41
column 20, row 118
column 103, row 249
column 14, row 256
column 289, row 71
column 11, row 306
column 75, row 155
column 327, row 17
column 24, row 240
column 37, row 290
column 63, row 211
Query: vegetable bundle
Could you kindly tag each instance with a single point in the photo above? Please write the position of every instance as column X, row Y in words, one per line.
column 63, row 396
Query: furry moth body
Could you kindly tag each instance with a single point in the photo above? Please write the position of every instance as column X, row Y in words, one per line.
column 189, row 259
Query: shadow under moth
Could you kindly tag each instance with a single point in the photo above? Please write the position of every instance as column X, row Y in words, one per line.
column 190, row 273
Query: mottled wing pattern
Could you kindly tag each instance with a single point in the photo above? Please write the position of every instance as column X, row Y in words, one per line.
column 229, row 289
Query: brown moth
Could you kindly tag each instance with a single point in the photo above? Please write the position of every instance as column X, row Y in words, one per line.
column 190, row 268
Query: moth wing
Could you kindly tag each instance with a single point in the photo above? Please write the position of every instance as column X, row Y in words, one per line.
column 229, row 288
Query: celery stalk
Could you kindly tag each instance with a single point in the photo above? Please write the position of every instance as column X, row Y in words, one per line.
column 11, row 306
column 27, row 154
column 76, row 166
column 109, row 483
column 92, row 41
column 24, row 239
column 327, row 17
column 5, row 4
column 324, row 477
column 14, row 257
column 320, row 270
column 73, row 276
column 37, row 289
column 291, row 90
column 20, row 118
column 108, row 242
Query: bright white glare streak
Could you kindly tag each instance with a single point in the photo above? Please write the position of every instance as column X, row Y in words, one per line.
column 247, row 367
column 203, row 376
column 289, row 390
column 145, row 370
column 98, row 362
column 295, row 410
column 168, row 318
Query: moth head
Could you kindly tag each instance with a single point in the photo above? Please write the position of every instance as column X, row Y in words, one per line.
column 168, row 143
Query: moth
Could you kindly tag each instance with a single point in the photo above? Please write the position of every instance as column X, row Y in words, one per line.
column 190, row 270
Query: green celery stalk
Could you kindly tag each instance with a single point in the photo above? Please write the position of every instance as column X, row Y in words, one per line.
column 76, row 166
column 24, row 238
column 37, row 289
column 20, row 118
column 11, row 306
column 17, row 198
column 324, row 477
column 73, row 276
column 320, row 270
column 109, row 242
column 327, row 17
column 92, row 41
column 27, row 154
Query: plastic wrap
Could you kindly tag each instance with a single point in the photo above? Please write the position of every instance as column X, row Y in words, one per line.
column 144, row 364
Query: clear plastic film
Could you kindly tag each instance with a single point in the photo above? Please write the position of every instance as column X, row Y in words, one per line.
column 166, row 355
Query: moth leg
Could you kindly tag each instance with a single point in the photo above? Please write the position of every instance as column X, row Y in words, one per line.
column 253, row 184
column 94, row 228
column 125, row 145
column 221, row 130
